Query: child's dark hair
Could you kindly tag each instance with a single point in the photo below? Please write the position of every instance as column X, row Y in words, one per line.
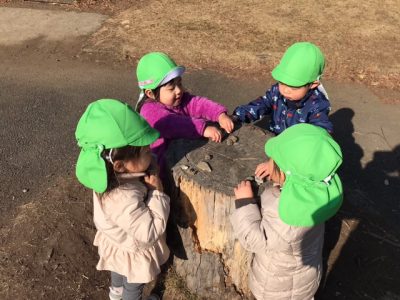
column 123, row 153
column 156, row 92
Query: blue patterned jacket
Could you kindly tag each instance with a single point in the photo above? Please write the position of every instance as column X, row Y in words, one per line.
column 313, row 109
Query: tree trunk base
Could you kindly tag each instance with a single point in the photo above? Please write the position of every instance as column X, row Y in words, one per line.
column 207, row 255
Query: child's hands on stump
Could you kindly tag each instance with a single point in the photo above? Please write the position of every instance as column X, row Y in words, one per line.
column 263, row 170
column 213, row 134
column 153, row 182
column 243, row 190
column 225, row 122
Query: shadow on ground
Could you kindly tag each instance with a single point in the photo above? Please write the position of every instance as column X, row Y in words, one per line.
column 362, row 251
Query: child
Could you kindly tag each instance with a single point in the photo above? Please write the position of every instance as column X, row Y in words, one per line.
column 130, row 208
column 172, row 111
column 286, row 233
column 298, row 97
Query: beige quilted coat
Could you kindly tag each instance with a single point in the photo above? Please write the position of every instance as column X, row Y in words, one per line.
column 287, row 261
column 131, row 223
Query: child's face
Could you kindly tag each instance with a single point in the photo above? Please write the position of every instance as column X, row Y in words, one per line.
column 171, row 93
column 295, row 93
column 141, row 163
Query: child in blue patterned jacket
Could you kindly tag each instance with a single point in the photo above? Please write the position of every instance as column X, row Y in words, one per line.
column 297, row 97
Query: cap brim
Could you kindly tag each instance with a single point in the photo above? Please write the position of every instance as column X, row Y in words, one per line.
column 279, row 75
column 174, row 73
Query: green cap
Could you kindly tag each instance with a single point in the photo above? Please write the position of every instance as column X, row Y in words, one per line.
column 302, row 63
column 107, row 124
column 309, row 157
column 155, row 69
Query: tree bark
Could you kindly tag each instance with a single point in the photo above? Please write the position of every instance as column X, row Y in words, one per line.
column 206, row 253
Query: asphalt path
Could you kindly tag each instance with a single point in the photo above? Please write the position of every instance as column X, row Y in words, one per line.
column 44, row 87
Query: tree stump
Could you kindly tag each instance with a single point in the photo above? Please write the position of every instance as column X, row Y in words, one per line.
column 206, row 253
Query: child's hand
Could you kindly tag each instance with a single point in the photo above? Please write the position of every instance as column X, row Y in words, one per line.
column 213, row 134
column 243, row 190
column 263, row 170
column 153, row 182
column 225, row 122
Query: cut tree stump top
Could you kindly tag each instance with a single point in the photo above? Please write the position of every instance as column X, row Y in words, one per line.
column 220, row 166
column 205, row 173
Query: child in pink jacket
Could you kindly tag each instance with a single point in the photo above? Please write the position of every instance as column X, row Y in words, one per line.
column 172, row 111
column 130, row 208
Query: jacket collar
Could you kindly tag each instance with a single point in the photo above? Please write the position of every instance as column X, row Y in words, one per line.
column 129, row 177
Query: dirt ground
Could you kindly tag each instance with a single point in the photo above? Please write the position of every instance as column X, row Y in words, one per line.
column 47, row 252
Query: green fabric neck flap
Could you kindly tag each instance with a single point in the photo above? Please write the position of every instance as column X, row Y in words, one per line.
column 91, row 169
column 308, row 205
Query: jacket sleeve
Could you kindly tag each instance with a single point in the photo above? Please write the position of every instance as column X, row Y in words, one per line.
column 172, row 125
column 202, row 107
column 145, row 221
column 256, row 109
column 319, row 116
column 247, row 226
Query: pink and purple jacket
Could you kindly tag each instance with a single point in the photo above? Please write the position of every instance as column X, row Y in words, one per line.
column 187, row 120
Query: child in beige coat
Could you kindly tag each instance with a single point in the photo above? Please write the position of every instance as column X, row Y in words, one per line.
column 286, row 232
column 130, row 208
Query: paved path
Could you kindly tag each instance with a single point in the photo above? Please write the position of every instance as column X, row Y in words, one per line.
column 20, row 24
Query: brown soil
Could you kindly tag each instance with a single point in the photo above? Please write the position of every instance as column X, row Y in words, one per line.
column 46, row 237
column 46, row 251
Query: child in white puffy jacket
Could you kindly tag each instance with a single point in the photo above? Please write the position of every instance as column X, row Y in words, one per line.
column 286, row 233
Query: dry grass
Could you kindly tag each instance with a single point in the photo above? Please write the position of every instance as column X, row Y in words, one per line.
column 360, row 39
column 104, row 6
